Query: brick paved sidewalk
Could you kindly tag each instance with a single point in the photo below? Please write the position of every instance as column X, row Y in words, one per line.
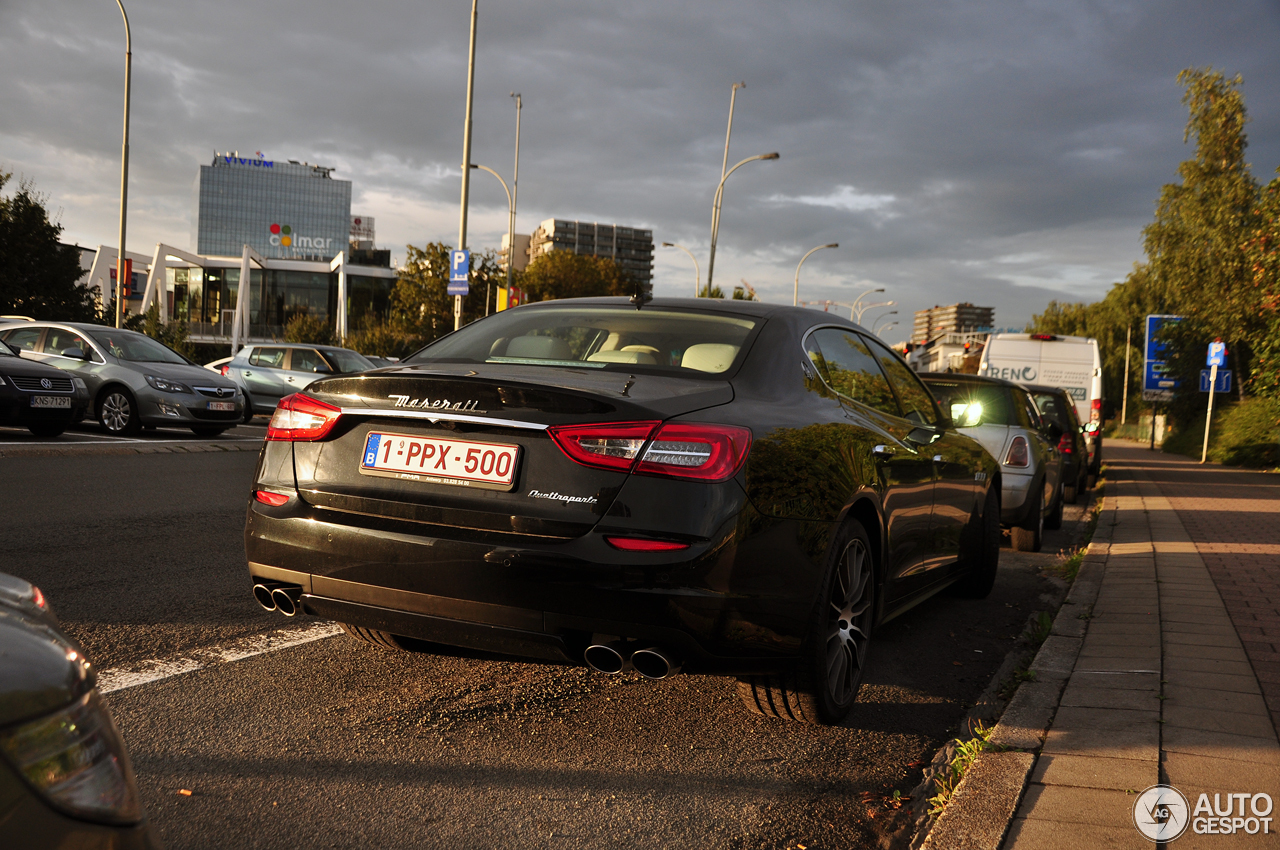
column 1164, row 689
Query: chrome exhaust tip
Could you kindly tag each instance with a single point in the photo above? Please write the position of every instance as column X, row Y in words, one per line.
column 654, row 663
column 286, row 600
column 262, row 593
column 606, row 658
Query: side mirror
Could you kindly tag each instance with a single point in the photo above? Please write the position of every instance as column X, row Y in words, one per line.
column 322, row 369
column 75, row 353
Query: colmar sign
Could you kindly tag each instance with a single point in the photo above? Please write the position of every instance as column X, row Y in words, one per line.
column 283, row 236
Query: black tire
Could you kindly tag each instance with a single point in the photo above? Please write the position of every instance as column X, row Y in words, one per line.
column 207, row 430
column 118, row 412
column 823, row 686
column 1029, row 536
column 248, row 408
column 383, row 640
column 45, row 429
column 980, row 553
column 1071, row 492
column 1092, row 481
column 1054, row 520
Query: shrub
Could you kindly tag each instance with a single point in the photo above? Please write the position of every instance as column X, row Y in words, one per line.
column 309, row 330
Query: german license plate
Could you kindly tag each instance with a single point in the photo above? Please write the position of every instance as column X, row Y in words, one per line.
column 51, row 401
column 227, row 406
column 434, row 460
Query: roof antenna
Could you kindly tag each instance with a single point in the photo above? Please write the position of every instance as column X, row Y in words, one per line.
column 641, row 297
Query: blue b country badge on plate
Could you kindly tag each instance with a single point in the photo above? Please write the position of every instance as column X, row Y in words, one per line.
column 371, row 449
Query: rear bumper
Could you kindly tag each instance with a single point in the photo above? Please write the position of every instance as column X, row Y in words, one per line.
column 1014, row 504
column 720, row 606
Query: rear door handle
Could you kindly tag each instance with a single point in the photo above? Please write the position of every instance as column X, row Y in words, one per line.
column 882, row 451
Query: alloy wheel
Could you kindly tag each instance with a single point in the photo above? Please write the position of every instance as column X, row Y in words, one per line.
column 849, row 625
column 116, row 412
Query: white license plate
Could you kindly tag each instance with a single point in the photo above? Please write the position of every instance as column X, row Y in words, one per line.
column 51, row 401
column 440, row 461
column 222, row 405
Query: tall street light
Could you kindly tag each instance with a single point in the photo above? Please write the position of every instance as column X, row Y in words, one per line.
column 886, row 327
column 511, row 223
column 876, row 329
column 466, row 160
column 715, row 211
column 865, row 307
column 124, row 168
column 697, row 278
column 795, row 298
column 854, row 314
column 515, row 195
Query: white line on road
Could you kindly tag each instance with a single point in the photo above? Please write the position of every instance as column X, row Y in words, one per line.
column 157, row 669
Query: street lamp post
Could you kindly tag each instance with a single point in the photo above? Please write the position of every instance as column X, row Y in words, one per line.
column 511, row 220
column 697, row 279
column 862, row 311
column 855, row 315
column 715, row 211
column 515, row 195
column 886, row 327
column 795, row 297
column 876, row 329
column 124, row 168
column 466, row 160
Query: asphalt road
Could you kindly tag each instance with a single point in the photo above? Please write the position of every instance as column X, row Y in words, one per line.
column 337, row 744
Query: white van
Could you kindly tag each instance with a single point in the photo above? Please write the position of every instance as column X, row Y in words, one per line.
column 1070, row 362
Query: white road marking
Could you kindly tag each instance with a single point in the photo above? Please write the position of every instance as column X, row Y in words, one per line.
column 157, row 669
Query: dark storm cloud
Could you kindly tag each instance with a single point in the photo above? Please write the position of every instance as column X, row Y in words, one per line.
column 1001, row 153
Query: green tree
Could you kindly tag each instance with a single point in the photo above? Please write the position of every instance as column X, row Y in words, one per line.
column 564, row 274
column 1263, row 253
column 38, row 274
column 714, row 292
column 309, row 330
column 172, row 333
column 383, row 339
column 420, row 304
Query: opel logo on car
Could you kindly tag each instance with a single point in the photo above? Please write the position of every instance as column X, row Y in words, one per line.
column 46, row 383
column 220, row 392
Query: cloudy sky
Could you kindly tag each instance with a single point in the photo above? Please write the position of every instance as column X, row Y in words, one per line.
column 1003, row 153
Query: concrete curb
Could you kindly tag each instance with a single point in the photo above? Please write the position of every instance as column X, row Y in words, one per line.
column 984, row 803
column 80, row 449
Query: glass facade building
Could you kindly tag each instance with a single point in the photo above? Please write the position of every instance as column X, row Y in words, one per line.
column 283, row 210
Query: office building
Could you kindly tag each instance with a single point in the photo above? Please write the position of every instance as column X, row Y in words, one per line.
column 631, row 248
column 954, row 319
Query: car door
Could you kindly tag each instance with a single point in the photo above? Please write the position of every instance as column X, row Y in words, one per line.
column 305, row 366
column 1043, row 447
column 57, row 341
column 264, row 375
column 25, row 339
column 906, row 474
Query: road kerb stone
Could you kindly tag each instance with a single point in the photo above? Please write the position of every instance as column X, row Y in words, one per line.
column 979, row 812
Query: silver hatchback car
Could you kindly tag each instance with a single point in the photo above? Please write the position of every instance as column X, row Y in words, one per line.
column 1004, row 418
column 133, row 380
column 269, row 371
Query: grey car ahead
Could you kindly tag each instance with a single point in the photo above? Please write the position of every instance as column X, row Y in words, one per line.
column 267, row 372
column 133, row 380
column 1003, row 417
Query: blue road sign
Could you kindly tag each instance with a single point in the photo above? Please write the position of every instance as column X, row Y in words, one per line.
column 1157, row 383
column 1222, row 385
column 459, row 270
column 1217, row 354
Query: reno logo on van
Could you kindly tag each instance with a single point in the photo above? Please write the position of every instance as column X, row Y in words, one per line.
column 1017, row 374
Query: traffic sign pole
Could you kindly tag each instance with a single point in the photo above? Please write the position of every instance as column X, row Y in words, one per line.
column 1213, row 379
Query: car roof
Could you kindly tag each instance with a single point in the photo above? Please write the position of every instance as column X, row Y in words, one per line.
column 963, row 378
column 1044, row 388
column 299, row 345
column 717, row 305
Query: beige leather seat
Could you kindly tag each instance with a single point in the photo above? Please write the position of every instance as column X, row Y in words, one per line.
column 539, row 348
column 709, row 357
column 624, row 356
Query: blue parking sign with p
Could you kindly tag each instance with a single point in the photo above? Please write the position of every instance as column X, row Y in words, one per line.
column 1217, row 354
column 459, row 270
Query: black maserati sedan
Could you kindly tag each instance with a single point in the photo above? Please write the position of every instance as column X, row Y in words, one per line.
column 40, row 398
column 724, row 487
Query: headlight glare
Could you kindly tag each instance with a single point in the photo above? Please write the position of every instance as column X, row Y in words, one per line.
column 76, row 760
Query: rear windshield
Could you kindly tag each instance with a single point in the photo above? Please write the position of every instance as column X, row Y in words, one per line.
column 971, row 405
column 347, row 361
column 598, row 337
column 128, row 345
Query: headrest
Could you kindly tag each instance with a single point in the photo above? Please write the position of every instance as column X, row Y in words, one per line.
column 709, row 357
column 624, row 356
column 539, row 348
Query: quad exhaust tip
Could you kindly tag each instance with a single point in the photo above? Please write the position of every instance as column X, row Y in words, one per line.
column 286, row 599
column 606, row 658
column 262, row 593
column 614, row 659
column 654, row 663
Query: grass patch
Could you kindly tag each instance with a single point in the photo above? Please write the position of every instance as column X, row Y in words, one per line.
column 966, row 752
column 1244, row 433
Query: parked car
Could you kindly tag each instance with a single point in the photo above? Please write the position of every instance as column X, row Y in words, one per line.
column 1070, row 362
column 267, row 372
column 380, row 362
column 1002, row 416
column 132, row 379
column 65, row 777
column 726, row 487
column 219, row 365
column 37, row 397
column 1056, row 405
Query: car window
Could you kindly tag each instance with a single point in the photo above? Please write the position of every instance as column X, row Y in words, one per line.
column 848, row 368
column 306, row 360
column 1053, row 409
column 687, row 342
column 917, row 404
column 971, row 404
column 24, row 339
column 1028, row 414
column 347, row 361
column 59, row 340
column 271, row 358
column 135, row 347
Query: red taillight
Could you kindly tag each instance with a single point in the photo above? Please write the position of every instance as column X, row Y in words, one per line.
column 612, row 446
column 300, row 418
column 1019, row 453
column 1066, row 445
column 675, row 450
column 37, row 598
column 269, row 498
column 226, row 367
column 1097, row 404
column 640, row 544
column 697, row 451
